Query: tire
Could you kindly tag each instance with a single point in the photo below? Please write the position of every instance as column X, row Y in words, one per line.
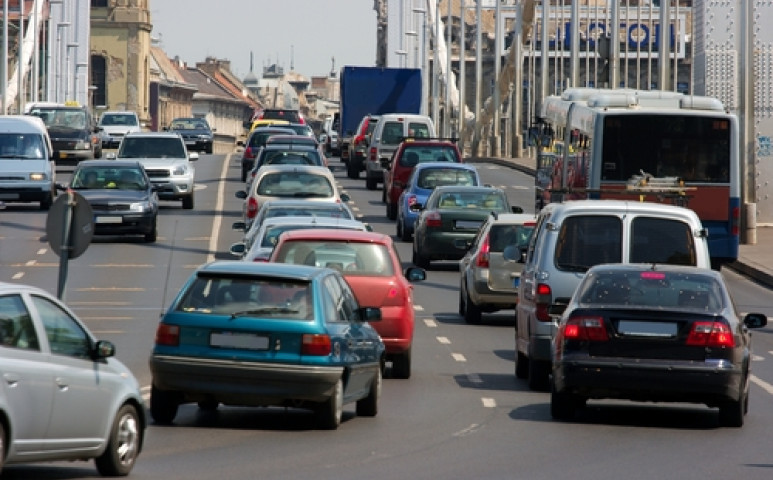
column 329, row 412
column 2, row 446
column 731, row 413
column 152, row 236
column 521, row 365
column 208, row 149
column 391, row 211
column 163, row 405
column 188, row 202
column 401, row 365
column 539, row 375
column 405, row 234
column 472, row 312
column 368, row 406
column 124, row 444
column 420, row 260
column 244, row 174
column 351, row 170
column 371, row 183
column 46, row 203
column 562, row 405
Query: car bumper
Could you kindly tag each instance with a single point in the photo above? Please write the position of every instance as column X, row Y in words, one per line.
column 395, row 328
column 649, row 380
column 25, row 191
column 172, row 188
column 482, row 293
column 109, row 223
column 61, row 156
column 244, row 383
column 374, row 170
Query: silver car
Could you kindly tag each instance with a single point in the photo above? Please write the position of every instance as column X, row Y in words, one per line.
column 57, row 375
column 166, row 161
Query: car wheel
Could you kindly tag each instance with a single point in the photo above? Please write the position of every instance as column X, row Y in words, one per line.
column 370, row 183
column 391, row 211
column 405, row 234
column 46, row 203
column 472, row 312
column 401, row 365
column 188, row 202
column 352, row 171
column 731, row 414
column 209, row 405
column 521, row 365
column 539, row 375
column 244, row 174
column 330, row 411
column 124, row 444
column 151, row 236
column 208, row 149
column 562, row 405
column 2, row 446
column 368, row 406
column 420, row 260
column 163, row 405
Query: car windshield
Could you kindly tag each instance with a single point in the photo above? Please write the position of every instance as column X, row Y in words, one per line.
column 430, row 178
column 150, row 147
column 332, row 211
column 652, row 289
column 74, row 118
column 292, row 157
column 188, row 124
column 295, row 184
column 258, row 139
column 109, row 120
column 110, row 178
column 352, row 258
column 247, row 297
column 21, row 145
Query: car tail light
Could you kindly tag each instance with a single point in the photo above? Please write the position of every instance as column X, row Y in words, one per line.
column 542, row 304
column 372, row 156
column 394, row 297
column 316, row 344
column 590, row 329
column 260, row 259
column 249, row 153
column 168, row 335
column 482, row 259
column 710, row 334
column 411, row 200
column 433, row 219
column 252, row 207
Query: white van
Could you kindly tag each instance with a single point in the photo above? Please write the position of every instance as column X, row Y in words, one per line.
column 390, row 130
column 26, row 161
column 571, row 237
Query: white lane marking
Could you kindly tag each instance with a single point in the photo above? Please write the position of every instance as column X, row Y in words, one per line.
column 418, row 308
column 18, row 275
column 458, row 357
column 520, row 187
column 757, row 358
column 465, row 431
column 489, row 402
column 219, row 209
column 444, row 340
column 763, row 384
column 430, row 323
column 42, row 251
column 30, row 263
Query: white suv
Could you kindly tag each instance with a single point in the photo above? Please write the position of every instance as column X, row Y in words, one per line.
column 115, row 125
column 166, row 161
column 390, row 130
column 571, row 237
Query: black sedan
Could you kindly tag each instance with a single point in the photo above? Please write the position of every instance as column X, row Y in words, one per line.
column 451, row 218
column 196, row 132
column 121, row 196
column 660, row 333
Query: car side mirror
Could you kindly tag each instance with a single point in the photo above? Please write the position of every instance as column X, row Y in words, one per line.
column 755, row 320
column 238, row 249
column 415, row 274
column 345, row 197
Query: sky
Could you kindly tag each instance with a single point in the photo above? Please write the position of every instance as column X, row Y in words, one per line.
column 304, row 34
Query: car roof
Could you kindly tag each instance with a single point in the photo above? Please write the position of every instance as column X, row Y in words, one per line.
column 22, row 124
column 279, row 270
column 602, row 206
column 454, row 165
column 515, row 218
column 428, row 142
column 660, row 267
column 119, row 162
column 311, row 220
column 274, row 128
column 466, row 188
column 338, row 235
column 279, row 141
column 291, row 202
column 320, row 170
column 153, row 134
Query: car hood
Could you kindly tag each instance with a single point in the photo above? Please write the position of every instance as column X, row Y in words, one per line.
column 114, row 196
column 160, row 162
column 192, row 131
column 120, row 128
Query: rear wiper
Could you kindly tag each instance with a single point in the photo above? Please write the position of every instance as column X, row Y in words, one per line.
column 264, row 310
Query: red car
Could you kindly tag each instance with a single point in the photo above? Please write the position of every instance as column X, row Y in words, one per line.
column 370, row 265
column 358, row 149
column 410, row 153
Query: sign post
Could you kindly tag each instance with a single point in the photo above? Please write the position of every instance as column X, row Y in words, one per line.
column 70, row 228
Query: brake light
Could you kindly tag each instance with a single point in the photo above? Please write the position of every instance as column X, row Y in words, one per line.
column 544, row 296
column 168, row 335
column 483, row 256
column 252, row 207
column 372, row 156
column 411, row 200
column 433, row 219
column 249, row 153
column 590, row 329
column 710, row 334
column 316, row 344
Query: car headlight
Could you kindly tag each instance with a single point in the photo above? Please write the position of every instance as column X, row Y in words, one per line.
column 83, row 145
column 180, row 170
column 139, row 207
column 38, row 177
column 205, row 137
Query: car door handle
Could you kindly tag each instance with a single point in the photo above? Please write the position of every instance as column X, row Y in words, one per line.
column 12, row 379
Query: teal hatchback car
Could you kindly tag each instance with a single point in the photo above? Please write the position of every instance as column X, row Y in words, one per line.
column 266, row 334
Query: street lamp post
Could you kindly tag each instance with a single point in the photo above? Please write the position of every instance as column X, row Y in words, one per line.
column 424, row 60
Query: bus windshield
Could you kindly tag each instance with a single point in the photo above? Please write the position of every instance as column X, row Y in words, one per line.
column 693, row 148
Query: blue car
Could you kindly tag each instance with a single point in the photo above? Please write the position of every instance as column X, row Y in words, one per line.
column 267, row 334
column 424, row 179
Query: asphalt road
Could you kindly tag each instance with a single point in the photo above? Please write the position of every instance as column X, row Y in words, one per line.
column 462, row 414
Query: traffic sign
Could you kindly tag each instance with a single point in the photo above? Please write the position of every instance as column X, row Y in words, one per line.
column 81, row 228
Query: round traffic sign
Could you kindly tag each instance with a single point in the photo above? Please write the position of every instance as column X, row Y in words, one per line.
column 81, row 226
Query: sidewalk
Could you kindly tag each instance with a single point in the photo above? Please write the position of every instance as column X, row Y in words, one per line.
column 754, row 261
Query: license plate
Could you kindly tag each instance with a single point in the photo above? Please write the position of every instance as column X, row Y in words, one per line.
column 104, row 219
column 248, row 341
column 190, row 142
column 467, row 224
column 9, row 196
column 637, row 328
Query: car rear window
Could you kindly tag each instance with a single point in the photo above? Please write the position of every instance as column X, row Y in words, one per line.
column 295, row 185
column 503, row 235
column 414, row 155
column 293, row 157
column 291, row 116
column 657, row 240
column 418, row 130
column 430, row 178
column 352, row 258
column 588, row 240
